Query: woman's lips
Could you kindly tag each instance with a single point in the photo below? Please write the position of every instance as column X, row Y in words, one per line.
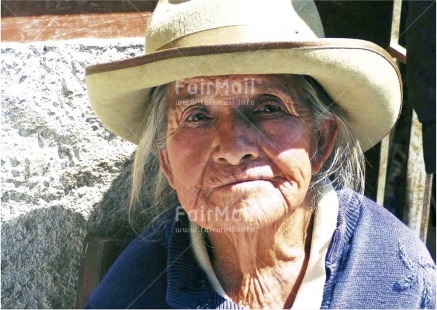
column 220, row 177
column 243, row 182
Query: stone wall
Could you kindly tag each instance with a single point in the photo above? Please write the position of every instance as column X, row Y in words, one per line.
column 63, row 174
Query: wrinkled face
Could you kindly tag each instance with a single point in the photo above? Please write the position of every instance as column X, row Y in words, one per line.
column 240, row 150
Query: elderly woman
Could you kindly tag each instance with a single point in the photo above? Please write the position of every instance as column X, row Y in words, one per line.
column 258, row 125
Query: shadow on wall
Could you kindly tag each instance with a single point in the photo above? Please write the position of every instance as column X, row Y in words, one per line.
column 39, row 255
column 110, row 217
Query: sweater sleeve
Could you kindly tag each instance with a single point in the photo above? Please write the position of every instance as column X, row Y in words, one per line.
column 384, row 265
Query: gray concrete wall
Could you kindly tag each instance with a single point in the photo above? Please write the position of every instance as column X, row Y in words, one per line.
column 63, row 174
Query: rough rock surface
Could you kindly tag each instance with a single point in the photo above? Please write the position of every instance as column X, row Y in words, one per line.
column 63, row 174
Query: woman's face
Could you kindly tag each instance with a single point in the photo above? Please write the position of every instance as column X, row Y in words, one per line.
column 240, row 150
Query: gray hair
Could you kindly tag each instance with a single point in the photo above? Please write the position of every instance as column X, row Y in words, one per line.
column 344, row 167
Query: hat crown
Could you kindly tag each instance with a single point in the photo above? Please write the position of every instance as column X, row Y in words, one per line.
column 184, row 23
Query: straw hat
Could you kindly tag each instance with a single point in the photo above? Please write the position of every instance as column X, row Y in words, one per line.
column 223, row 37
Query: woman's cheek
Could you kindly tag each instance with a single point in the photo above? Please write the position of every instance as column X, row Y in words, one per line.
column 188, row 154
column 188, row 158
column 295, row 166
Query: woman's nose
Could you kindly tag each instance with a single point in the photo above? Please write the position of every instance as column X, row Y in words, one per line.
column 236, row 142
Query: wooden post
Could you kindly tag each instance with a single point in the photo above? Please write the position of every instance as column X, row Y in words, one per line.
column 418, row 184
column 98, row 255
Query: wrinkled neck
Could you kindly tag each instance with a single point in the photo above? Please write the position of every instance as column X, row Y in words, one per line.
column 264, row 268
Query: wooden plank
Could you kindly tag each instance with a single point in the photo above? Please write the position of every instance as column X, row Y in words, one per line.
column 418, row 184
column 383, row 162
column 27, row 21
column 398, row 52
column 97, row 257
column 56, row 27
column 395, row 22
column 17, row 8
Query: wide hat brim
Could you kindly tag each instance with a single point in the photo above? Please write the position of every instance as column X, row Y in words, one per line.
column 359, row 76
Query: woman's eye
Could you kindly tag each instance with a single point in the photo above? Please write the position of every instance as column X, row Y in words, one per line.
column 269, row 108
column 197, row 117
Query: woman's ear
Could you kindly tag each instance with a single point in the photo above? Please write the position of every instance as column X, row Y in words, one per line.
column 166, row 167
column 327, row 135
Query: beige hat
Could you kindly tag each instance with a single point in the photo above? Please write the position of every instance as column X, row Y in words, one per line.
column 223, row 37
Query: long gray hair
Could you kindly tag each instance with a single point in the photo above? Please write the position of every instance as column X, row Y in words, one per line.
column 344, row 167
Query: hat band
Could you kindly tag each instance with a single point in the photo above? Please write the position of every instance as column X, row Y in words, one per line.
column 235, row 35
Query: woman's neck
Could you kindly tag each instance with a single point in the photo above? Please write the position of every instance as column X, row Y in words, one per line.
column 264, row 268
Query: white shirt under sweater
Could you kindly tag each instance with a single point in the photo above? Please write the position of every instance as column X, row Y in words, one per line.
column 310, row 292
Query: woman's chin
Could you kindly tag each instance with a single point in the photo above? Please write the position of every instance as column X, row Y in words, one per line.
column 246, row 215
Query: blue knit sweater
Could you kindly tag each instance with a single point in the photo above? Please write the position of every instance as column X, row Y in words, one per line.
column 374, row 261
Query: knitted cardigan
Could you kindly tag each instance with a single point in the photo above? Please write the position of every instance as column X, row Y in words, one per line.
column 374, row 261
